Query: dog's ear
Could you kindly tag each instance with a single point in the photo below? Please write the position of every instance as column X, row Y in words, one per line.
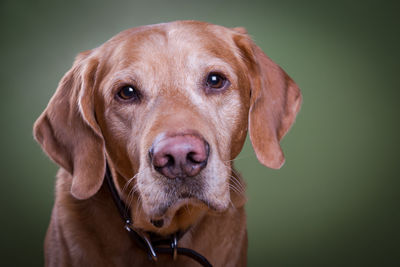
column 67, row 130
column 274, row 103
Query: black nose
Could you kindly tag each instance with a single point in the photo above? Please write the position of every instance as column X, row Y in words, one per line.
column 180, row 156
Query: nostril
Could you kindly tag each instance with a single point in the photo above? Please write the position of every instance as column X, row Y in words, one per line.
column 191, row 157
column 161, row 161
column 200, row 155
column 170, row 160
column 196, row 158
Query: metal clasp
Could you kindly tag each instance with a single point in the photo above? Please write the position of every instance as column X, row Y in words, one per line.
column 145, row 238
column 174, row 246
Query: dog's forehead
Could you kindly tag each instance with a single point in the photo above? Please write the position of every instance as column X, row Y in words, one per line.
column 175, row 44
column 169, row 57
column 193, row 35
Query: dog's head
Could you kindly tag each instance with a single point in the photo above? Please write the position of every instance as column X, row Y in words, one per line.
column 168, row 106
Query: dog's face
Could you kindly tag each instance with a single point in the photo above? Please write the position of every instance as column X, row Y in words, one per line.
column 163, row 88
column 170, row 106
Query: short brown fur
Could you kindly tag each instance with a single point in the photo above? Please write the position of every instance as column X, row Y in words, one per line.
column 85, row 125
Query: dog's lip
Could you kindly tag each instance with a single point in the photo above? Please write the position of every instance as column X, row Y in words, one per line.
column 168, row 213
column 173, row 207
column 186, row 195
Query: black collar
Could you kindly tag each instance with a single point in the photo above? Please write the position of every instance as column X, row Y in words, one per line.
column 147, row 241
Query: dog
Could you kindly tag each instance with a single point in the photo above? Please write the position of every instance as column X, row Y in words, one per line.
column 164, row 110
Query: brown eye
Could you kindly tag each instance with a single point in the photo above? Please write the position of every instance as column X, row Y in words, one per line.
column 216, row 81
column 129, row 92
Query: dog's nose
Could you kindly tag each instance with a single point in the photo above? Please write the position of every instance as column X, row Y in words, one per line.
column 179, row 156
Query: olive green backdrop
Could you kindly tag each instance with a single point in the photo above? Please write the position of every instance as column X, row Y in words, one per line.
column 336, row 200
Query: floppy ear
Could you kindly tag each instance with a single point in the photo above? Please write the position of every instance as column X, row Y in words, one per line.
column 274, row 103
column 67, row 130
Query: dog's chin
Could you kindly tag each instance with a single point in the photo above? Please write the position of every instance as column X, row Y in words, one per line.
column 180, row 214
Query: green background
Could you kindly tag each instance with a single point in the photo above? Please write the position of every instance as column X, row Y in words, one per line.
column 336, row 200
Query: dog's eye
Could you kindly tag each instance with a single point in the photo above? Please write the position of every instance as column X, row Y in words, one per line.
column 129, row 92
column 216, row 81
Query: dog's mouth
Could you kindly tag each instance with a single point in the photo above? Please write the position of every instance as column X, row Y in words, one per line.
column 186, row 204
column 177, row 203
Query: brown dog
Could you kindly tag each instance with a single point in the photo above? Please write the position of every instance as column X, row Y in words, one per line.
column 167, row 108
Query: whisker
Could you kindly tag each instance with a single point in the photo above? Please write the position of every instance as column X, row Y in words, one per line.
column 231, row 203
column 129, row 182
column 235, row 189
column 139, row 203
column 230, row 168
column 238, row 186
column 238, row 183
column 130, row 196
column 240, row 158
column 132, row 179
column 133, row 190
column 235, row 172
column 235, row 179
